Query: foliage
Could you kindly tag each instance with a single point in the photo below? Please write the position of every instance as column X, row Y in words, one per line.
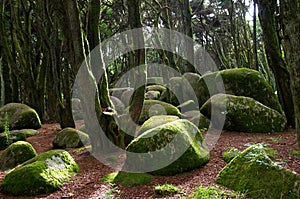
column 127, row 179
column 213, row 192
column 230, row 153
column 6, row 130
column 165, row 189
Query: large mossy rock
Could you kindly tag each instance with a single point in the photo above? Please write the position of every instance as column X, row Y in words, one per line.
column 239, row 82
column 178, row 138
column 155, row 107
column 156, row 121
column 16, row 154
column 19, row 116
column 254, row 173
column 40, row 175
column 70, row 138
column 244, row 114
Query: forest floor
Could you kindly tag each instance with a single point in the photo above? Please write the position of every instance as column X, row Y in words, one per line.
column 88, row 184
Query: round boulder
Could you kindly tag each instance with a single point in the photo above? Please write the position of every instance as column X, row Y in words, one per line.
column 40, row 175
column 70, row 138
column 19, row 116
column 15, row 154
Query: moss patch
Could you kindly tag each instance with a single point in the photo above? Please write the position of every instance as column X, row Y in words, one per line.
column 128, row 179
column 156, row 121
column 15, row 154
column 155, row 107
column 213, row 192
column 254, row 173
column 244, row 114
column 197, row 118
column 70, row 138
column 239, row 82
column 230, row 153
column 42, row 174
column 165, row 190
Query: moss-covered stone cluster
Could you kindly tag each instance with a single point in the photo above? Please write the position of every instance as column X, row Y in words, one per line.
column 254, row 173
column 239, row 82
column 42, row 174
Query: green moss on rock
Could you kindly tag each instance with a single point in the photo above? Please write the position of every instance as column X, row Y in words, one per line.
column 159, row 88
column 254, row 173
column 244, row 114
column 70, row 138
column 20, row 116
column 128, row 179
column 152, row 95
column 156, row 121
column 15, row 154
column 165, row 190
column 239, row 82
column 180, row 139
column 40, row 175
column 230, row 153
column 26, row 132
column 155, row 107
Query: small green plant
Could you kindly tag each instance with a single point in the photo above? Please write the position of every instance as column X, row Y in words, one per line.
column 295, row 153
column 165, row 190
column 274, row 140
column 6, row 130
column 113, row 192
column 212, row 192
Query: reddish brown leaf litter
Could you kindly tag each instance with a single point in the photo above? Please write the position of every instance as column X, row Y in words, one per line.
column 88, row 184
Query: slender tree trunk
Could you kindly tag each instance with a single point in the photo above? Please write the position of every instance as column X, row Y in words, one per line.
column 266, row 15
column 291, row 29
column 137, row 100
column 255, row 59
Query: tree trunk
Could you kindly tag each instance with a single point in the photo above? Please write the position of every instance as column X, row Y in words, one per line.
column 255, row 59
column 291, row 29
column 137, row 100
column 266, row 13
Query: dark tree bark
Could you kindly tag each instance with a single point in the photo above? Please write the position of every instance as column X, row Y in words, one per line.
column 266, row 13
column 255, row 60
column 137, row 100
column 291, row 29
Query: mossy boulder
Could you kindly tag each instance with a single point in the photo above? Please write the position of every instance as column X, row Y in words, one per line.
column 156, row 121
column 19, row 116
column 70, row 138
column 42, row 174
column 11, row 137
column 154, row 95
column 26, row 132
column 197, row 118
column 244, row 114
column 240, row 82
column 128, row 179
column 179, row 139
column 77, row 109
column 159, row 88
column 16, row 154
column 156, row 107
column 254, row 173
